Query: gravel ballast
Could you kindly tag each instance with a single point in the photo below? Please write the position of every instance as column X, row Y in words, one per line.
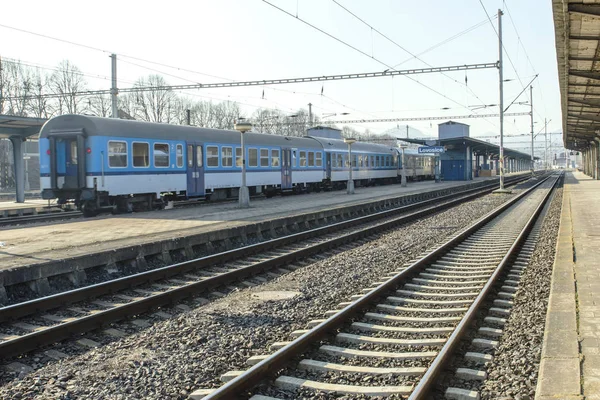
column 173, row 357
column 513, row 372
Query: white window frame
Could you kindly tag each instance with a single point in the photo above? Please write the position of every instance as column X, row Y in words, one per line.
column 230, row 157
column 261, row 157
column 305, row 160
column 257, row 153
column 218, row 156
column 154, row 155
column 178, row 146
column 318, row 159
column 126, row 153
column 273, row 157
column 133, row 155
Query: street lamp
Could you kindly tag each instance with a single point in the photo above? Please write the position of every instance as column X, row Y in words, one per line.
column 244, row 196
column 403, row 181
column 350, row 185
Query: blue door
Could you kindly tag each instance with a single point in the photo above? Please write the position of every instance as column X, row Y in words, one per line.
column 67, row 155
column 195, row 169
column 328, row 165
column 286, row 169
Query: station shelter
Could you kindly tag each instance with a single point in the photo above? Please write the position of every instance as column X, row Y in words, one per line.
column 465, row 158
column 18, row 130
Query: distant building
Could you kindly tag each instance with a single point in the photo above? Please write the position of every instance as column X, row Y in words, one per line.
column 325, row 132
column 452, row 129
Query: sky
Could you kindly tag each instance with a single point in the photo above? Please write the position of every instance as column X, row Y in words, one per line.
column 218, row 41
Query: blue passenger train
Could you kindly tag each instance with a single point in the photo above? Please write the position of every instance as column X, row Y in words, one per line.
column 124, row 165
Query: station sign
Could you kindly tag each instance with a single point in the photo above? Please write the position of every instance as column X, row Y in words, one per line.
column 432, row 149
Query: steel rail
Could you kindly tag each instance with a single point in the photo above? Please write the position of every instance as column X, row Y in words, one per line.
column 91, row 291
column 51, row 216
column 241, row 384
column 64, row 330
column 427, row 382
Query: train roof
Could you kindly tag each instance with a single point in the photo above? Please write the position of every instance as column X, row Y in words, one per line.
column 339, row 145
column 97, row 126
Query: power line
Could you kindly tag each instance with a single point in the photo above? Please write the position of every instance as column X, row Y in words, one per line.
column 277, row 81
column 503, row 47
column 414, row 56
column 431, row 118
column 360, row 51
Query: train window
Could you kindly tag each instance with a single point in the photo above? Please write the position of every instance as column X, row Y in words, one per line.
column 377, row 161
column 340, row 160
column 395, row 160
column 275, row 158
column 190, row 155
column 264, row 157
column 199, row 156
column 253, row 157
column 73, row 152
column 294, row 158
column 319, row 159
column 372, row 161
column 212, row 156
column 179, row 155
column 311, row 159
column 161, row 155
column 238, row 157
column 354, row 161
column 366, row 161
column 117, row 154
column 141, row 154
column 361, row 162
column 302, row 158
column 226, row 157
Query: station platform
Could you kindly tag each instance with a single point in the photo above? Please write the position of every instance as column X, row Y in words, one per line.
column 570, row 365
column 38, row 244
column 29, row 207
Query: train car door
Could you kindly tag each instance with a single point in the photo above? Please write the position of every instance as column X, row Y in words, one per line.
column 195, row 169
column 328, row 165
column 67, row 162
column 286, row 168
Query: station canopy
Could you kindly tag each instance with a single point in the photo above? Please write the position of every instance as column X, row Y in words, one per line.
column 23, row 127
column 577, row 31
column 477, row 146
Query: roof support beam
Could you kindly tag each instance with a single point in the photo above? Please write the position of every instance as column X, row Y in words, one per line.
column 585, row 74
column 587, row 9
column 587, row 102
column 577, row 58
column 592, row 38
column 589, row 117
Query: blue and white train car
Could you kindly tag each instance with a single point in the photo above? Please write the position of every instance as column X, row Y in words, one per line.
column 370, row 162
column 418, row 166
column 110, row 163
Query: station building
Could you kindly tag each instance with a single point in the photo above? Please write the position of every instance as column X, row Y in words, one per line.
column 465, row 158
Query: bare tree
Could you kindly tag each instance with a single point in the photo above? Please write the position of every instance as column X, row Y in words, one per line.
column 37, row 104
column 153, row 105
column 65, row 82
column 15, row 84
column 100, row 105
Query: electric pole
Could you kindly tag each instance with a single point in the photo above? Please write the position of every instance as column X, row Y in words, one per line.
column 545, row 143
column 531, row 102
column 407, row 131
column 114, row 91
column 310, row 117
column 501, row 103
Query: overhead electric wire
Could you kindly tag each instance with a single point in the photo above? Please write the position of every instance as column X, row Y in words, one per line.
column 414, row 56
column 362, row 52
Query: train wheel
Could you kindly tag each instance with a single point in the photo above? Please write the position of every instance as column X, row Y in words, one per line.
column 89, row 209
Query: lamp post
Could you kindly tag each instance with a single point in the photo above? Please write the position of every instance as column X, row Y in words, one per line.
column 244, row 196
column 403, row 181
column 350, row 185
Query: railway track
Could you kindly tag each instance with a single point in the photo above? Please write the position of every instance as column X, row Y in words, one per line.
column 396, row 337
column 50, row 216
column 36, row 323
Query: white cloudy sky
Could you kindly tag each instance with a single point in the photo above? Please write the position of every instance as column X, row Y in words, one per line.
column 215, row 40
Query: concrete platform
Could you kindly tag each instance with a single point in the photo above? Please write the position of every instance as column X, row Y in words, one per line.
column 35, row 254
column 32, row 244
column 29, row 207
column 570, row 365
